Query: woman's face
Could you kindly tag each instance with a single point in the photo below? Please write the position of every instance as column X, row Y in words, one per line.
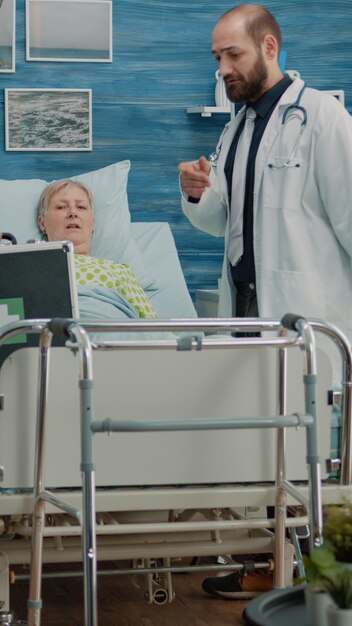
column 69, row 217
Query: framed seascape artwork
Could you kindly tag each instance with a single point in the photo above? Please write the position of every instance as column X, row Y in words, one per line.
column 48, row 119
column 69, row 30
column 7, row 35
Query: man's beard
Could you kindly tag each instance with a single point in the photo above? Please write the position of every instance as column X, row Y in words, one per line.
column 252, row 87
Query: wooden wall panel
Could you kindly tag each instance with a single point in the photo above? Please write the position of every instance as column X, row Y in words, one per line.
column 161, row 65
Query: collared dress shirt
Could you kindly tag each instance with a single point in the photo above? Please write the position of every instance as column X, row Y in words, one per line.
column 244, row 271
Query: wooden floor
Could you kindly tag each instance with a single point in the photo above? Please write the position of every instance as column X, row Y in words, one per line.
column 121, row 602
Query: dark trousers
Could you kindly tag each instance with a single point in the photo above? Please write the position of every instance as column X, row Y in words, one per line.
column 246, row 305
column 246, row 300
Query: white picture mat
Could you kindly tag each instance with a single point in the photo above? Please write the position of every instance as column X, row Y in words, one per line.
column 69, row 30
column 7, row 35
column 48, row 120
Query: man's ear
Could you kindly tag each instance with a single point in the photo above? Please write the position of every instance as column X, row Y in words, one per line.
column 270, row 46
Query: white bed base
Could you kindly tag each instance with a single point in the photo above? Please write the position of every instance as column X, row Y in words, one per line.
column 197, row 486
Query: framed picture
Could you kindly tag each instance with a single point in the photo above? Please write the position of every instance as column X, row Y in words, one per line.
column 69, row 30
column 48, row 119
column 7, row 35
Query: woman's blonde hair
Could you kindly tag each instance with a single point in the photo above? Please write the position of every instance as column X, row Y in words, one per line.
column 53, row 188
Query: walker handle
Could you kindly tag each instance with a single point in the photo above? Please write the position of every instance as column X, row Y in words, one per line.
column 60, row 327
column 290, row 321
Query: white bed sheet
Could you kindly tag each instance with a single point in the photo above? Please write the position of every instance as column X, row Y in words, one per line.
column 171, row 298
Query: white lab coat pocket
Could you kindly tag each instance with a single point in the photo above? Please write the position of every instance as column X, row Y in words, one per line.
column 293, row 292
column 283, row 183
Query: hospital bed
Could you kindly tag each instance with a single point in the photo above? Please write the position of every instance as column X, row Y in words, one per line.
column 161, row 496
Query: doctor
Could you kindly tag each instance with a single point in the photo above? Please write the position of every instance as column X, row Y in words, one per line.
column 288, row 247
column 284, row 207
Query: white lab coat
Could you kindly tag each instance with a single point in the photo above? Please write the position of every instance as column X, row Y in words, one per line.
column 302, row 215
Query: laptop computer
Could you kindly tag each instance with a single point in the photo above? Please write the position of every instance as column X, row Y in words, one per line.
column 37, row 281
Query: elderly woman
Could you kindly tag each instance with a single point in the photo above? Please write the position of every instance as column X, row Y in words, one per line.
column 65, row 213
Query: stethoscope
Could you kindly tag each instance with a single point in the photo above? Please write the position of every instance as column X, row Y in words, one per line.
column 293, row 110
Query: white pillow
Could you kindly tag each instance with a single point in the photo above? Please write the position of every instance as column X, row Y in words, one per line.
column 18, row 207
column 112, row 237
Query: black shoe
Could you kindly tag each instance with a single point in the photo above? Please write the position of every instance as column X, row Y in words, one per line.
column 227, row 587
column 237, row 587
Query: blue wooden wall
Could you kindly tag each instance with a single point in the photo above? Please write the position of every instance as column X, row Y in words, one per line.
column 161, row 65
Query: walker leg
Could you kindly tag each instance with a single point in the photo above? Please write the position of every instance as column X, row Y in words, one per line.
column 4, row 582
column 88, row 495
column 34, row 600
column 38, row 517
column 89, row 550
column 289, row 552
column 280, row 536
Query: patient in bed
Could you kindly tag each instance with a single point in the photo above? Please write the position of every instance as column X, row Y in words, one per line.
column 65, row 213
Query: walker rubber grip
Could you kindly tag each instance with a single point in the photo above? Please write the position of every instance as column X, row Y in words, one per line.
column 60, row 327
column 8, row 237
column 290, row 320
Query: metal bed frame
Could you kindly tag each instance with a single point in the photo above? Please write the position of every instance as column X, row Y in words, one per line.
column 76, row 333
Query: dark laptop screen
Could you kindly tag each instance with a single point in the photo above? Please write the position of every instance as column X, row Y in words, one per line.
column 36, row 281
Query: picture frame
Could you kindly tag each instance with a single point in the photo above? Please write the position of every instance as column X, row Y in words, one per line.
column 48, row 120
column 69, row 31
column 7, row 35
